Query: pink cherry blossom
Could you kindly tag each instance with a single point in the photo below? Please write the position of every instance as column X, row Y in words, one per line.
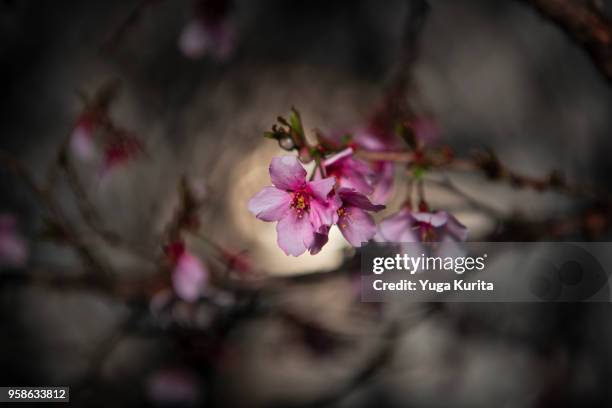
column 82, row 138
column 13, row 248
column 356, row 225
column 199, row 39
column 211, row 32
column 302, row 208
column 190, row 275
column 384, row 171
column 350, row 173
column 408, row 226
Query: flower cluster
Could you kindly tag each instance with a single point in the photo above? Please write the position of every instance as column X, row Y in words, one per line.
column 306, row 210
column 343, row 189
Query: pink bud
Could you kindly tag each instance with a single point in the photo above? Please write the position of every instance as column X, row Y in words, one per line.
column 201, row 37
column 82, row 138
column 13, row 248
column 194, row 41
column 189, row 277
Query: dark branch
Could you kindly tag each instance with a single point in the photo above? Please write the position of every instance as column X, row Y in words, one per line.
column 585, row 24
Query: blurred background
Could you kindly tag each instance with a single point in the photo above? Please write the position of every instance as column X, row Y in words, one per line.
column 492, row 74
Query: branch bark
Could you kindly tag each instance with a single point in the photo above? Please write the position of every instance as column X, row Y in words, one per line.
column 585, row 24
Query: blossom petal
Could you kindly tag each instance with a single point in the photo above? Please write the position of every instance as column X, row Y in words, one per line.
column 356, row 226
column 456, row 229
column 324, row 213
column 321, row 188
column 368, row 141
column 82, row 144
column 348, row 152
column 295, row 234
column 270, row 204
column 397, row 228
column 383, row 184
column 437, row 219
column 287, row 173
column 189, row 277
column 351, row 198
column 320, row 239
column 357, row 175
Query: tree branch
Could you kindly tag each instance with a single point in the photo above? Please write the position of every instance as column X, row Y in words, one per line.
column 585, row 24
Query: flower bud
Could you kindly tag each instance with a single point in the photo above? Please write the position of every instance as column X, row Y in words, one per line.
column 304, row 155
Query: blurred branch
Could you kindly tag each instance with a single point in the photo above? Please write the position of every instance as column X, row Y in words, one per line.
column 101, row 354
column 90, row 214
column 487, row 163
column 374, row 364
column 592, row 223
column 67, row 230
column 585, row 24
column 476, row 204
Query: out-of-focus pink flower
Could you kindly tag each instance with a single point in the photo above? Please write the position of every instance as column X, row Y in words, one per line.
column 174, row 386
column 13, row 247
column 211, row 32
column 384, row 171
column 426, row 131
column 190, row 275
column 121, row 151
column 383, row 181
column 82, row 143
column 350, row 172
column 199, row 39
column 356, row 225
column 408, row 226
column 302, row 208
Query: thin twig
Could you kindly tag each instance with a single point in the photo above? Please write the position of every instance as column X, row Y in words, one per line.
column 586, row 25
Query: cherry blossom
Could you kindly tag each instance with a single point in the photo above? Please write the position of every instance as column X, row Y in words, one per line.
column 82, row 143
column 302, row 208
column 383, row 171
column 189, row 275
column 211, row 32
column 356, row 225
column 408, row 226
column 350, row 173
